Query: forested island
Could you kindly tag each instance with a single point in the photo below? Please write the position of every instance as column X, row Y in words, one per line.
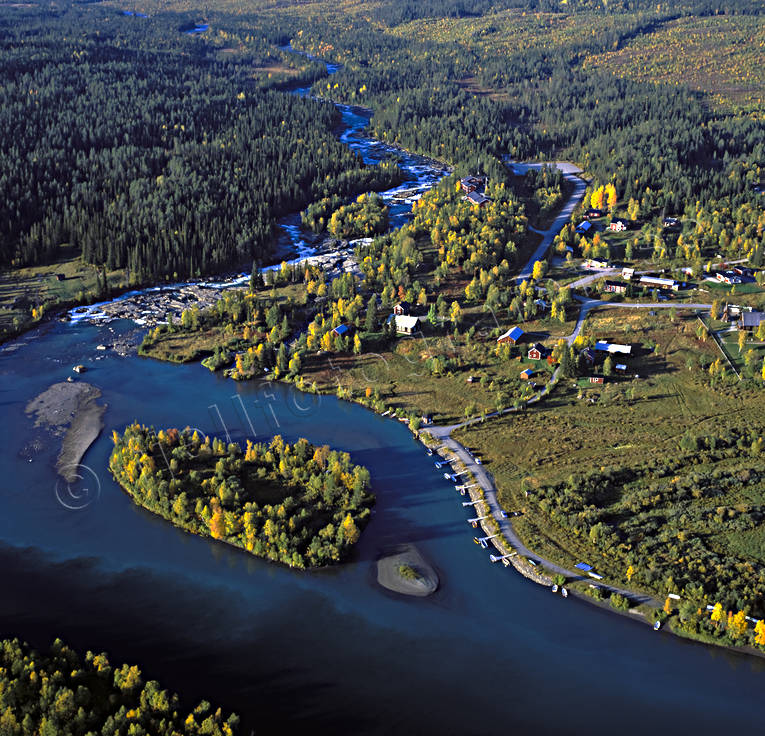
column 301, row 505
column 60, row 693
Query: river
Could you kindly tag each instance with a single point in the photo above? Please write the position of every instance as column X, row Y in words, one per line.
column 327, row 650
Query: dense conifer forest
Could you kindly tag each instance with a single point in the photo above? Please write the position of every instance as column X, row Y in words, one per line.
column 168, row 153
column 656, row 142
column 147, row 151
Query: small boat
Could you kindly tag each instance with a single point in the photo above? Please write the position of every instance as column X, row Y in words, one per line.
column 657, row 626
column 555, row 588
column 564, row 592
column 438, row 465
column 430, row 452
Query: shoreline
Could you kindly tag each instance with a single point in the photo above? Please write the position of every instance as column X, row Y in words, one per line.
column 536, row 575
column 70, row 411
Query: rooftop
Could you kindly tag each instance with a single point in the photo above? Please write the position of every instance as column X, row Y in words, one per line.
column 514, row 333
column 477, row 198
column 609, row 347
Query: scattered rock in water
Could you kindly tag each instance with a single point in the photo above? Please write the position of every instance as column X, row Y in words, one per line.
column 32, row 449
column 407, row 572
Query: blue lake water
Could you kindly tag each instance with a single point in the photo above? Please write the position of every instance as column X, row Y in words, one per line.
column 327, row 650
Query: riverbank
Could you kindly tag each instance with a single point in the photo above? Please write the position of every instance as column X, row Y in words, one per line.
column 70, row 411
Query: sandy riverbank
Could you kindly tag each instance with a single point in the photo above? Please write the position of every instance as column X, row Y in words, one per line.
column 407, row 572
column 70, row 411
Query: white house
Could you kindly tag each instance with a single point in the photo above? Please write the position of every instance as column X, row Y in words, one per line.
column 659, row 283
column 405, row 324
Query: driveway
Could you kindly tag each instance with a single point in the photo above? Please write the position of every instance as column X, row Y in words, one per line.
column 570, row 174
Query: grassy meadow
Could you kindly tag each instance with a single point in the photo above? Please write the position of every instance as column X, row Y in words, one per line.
column 625, row 450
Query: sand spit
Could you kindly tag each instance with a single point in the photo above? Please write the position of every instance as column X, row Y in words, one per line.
column 406, row 571
column 69, row 411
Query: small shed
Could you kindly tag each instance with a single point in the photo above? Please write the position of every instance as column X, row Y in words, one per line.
column 525, row 375
column 615, row 287
column 751, row 320
column 589, row 355
column 596, row 379
column 583, row 228
column 618, row 226
column 403, row 307
column 342, row 331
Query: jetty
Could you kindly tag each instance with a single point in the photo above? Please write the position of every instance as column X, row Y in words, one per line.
column 477, row 520
column 453, row 476
column 498, row 558
column 484, row 541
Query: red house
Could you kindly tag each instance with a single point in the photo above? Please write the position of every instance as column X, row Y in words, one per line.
column 537, row 352
column 472, row 184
